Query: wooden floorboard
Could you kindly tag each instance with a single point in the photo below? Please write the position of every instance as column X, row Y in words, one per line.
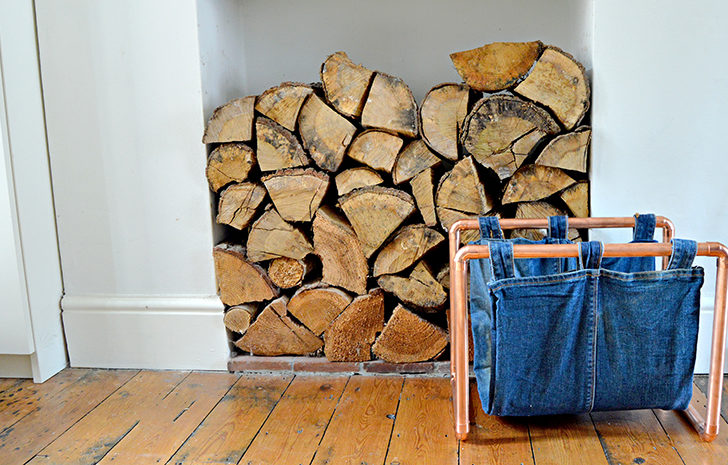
column 110, row 417
column 366, row 411
column 423, row 432
column 228, row 430
column 56, row 413
column 293, row 431
column 702, row 382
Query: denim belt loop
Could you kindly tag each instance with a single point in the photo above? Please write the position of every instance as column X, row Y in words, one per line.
column 558, row 227
column 501, row 259
column 644, row 227
column 490, row 227
column 683, row 254
column 590, row 255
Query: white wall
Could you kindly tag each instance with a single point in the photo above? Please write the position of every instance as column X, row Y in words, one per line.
column 124, row 119
column 660, row 91
column 288, row 41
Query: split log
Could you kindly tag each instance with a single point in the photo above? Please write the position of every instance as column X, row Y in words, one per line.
column 496, row 66
column 296, row 193
column 354, row 178
column 350, row 336
column 273, row 334
column 423, row 190
column 448, row 216
column 406, row 247
column 325, row 133
column 443, row 277
column 559, row 83
column 576, row 198
column 232, row 122
column 391, row 106
column 277, row 148
column 501, row 131
column 442, row 113
column 336, row 244
column 535, row 182
column 539, row 210
column 272, row 237
column 287, row 272
column 567, row 151
column 229, row 163
column 238, row 281
column 317, row 307
column 238, row 318
column 420, row 289
column 461, row 193
column 414, row 159
column 408, row 338
column 238, row 204
column 283, row 103
column 374, row 213
column 377, row 149
column 345, row 84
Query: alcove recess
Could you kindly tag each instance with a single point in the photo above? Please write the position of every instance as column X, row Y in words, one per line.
column 336, row 196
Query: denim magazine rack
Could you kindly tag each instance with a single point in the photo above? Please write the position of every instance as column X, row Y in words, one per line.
column 706, row 426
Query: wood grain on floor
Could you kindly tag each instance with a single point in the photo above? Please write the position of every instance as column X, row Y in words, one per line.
column 86, row 417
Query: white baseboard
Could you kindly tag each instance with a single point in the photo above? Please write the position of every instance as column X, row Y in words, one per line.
column 705, row 336
column 155, row 332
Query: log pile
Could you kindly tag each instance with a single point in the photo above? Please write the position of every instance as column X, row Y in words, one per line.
column 335, row 197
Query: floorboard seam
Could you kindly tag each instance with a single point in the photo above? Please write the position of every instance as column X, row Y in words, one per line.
column 265, row 420
column 175, row 386
column 396, row 412
column 333, row 412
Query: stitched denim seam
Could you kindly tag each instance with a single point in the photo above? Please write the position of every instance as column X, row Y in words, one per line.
column 661, row 275
column 595, row 305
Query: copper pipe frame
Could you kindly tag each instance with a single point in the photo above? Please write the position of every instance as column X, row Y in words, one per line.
column 707, row 427
column 668, row 231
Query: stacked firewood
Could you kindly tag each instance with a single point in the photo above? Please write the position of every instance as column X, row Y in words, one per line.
column 337, row 195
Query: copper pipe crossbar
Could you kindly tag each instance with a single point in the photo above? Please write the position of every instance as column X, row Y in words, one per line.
column 668, row 231
column 707, row 427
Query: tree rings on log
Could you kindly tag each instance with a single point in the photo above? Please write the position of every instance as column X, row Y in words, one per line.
column 350, row 336
column 391, row 106
column 576, row 198
column 238, row 318
column 407, row 338
column 232, row 122
column 406, row 247
column 325, row 133
column 296, row 193
column 375, row 213
column 461, row 193
column 443, row 110
column 239, row 203
column 342, row 260
column 501, row 131
column 496, row 66
column 420, row 289
column 423, row 190
column 277, row 147
column 317, row 307
column 345, row 84
column 238, row 281
column 229, row 163
column 287, row 272
column 275, row 334
column 272, row 237
column 567, row 151
column 415, row 158
column 535, row 182
column 559, row 83
column 376, row 149
column 283, row 103
column 354, row 178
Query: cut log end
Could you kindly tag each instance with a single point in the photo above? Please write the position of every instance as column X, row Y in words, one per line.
column 317, row 307
column 277, row 147
column 325, row 133
column 391, row 106
column 272, row 237
column 238, row 318
column 412, row 160
column 496, row 66
column 376, row 149
column 423, row 190
column 345, row 84
column 408, row 338
column 296, row 193
column 229, row 163
column 406, row 247
column 535, row 182
column 287, row 273
column 539, row 210
column 355, row 178
column 568, row 151
column 239, row 203
column 420, row 290
column 283, row 103
column 461, row 190
column 232, row 122
column 239, row 281
column 443, row 110
column 350, row 336
column 576, row 198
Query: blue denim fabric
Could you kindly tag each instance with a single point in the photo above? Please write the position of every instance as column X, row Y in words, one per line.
column 480, row 275
column 644, row 231
column 592, row 339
